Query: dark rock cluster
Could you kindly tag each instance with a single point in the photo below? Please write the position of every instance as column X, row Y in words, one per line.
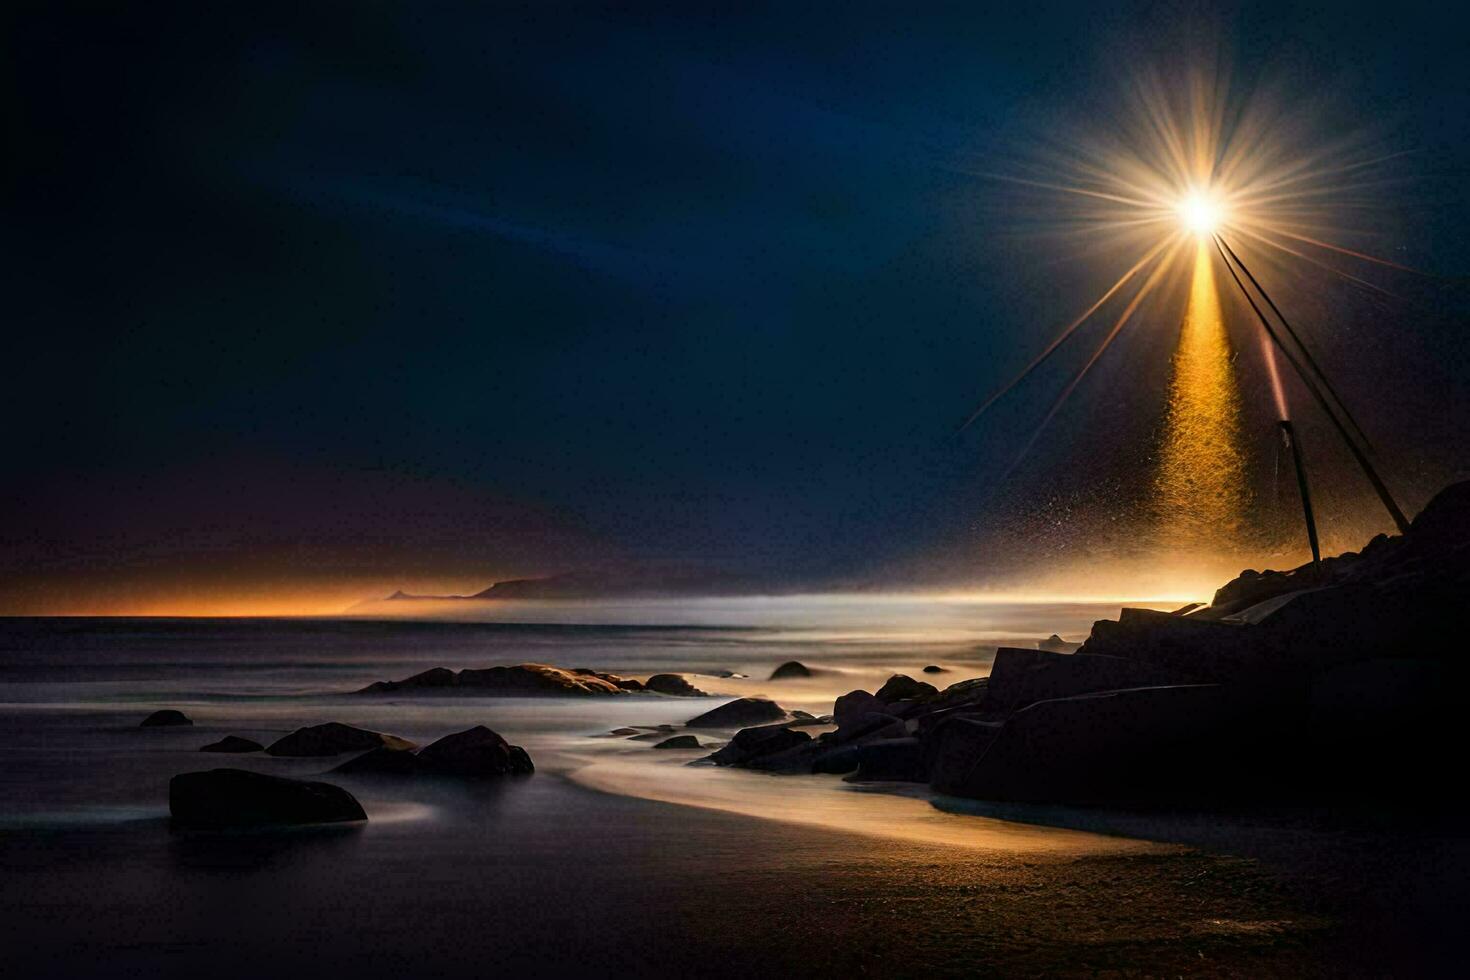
column 1307, row 685
column 474, row 753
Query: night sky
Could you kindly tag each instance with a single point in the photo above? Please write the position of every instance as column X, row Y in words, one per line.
column 307, row 302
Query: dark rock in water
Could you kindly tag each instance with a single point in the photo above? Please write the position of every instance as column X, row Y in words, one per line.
column 901, row 687
column 621, row 732
column 751, row 744
column 679, row 742
column 935, row 669
column 226, row 798
column 524, row 680
column 740, row 713
column 382, row 761
column 474, row 752
column 233, row 743
column 791, row 668
column 166, row 718
column 727, row 674
column 892, row 760
column 333, row 738
column 1055, row 644
column 674, row 684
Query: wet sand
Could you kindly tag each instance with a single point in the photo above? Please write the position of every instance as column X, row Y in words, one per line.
column 539, row 877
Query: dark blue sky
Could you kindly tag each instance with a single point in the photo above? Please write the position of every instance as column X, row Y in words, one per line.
column 436, row 293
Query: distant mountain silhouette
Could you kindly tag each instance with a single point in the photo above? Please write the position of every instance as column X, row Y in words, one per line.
column 605, row 583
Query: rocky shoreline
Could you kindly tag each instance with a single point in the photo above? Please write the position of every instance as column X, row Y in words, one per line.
column 1311, row 685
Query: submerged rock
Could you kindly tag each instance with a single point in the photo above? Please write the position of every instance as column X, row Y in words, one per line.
column 525, row 680
column 790, row 669
column 233, row 743
column 333, row 738
column 474, row 752
column 166, row 718
column 226, row 798
column 740, row 713
column 935, row 669
column 674, row 684
column 679, row 742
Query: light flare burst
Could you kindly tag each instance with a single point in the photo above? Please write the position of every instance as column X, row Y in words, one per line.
column 1186, row 162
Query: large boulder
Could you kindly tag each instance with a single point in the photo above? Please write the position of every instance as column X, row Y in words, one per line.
column 233, row 743
column 226, row 798
column 1189, row 647
column 333, row 738
column 740, row 713
column 675, row 684
column 1157, row 744
column 790, row 669
column 165, row 718
column 753, row 744
column 1020, row 677
column 525, row 680
column 474, row 752
column 952, row 747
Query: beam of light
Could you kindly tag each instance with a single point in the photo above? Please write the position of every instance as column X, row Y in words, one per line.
column 1143, row 291
column 1200, row 485
column 1297, row 253
column 1062, row 337
column 1185, row 155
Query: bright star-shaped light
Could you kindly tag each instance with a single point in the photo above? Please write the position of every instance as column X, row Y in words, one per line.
column 1200, row 213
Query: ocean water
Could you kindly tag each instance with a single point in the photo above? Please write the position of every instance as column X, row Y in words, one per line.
column 72, row 692
column 607, row 829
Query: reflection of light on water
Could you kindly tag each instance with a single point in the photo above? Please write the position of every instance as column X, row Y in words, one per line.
column 1201, row 479
column 829, row 803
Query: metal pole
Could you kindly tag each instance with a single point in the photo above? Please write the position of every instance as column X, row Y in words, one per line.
column 1306, row 352
column 1288, row 435
column 1389, row 504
